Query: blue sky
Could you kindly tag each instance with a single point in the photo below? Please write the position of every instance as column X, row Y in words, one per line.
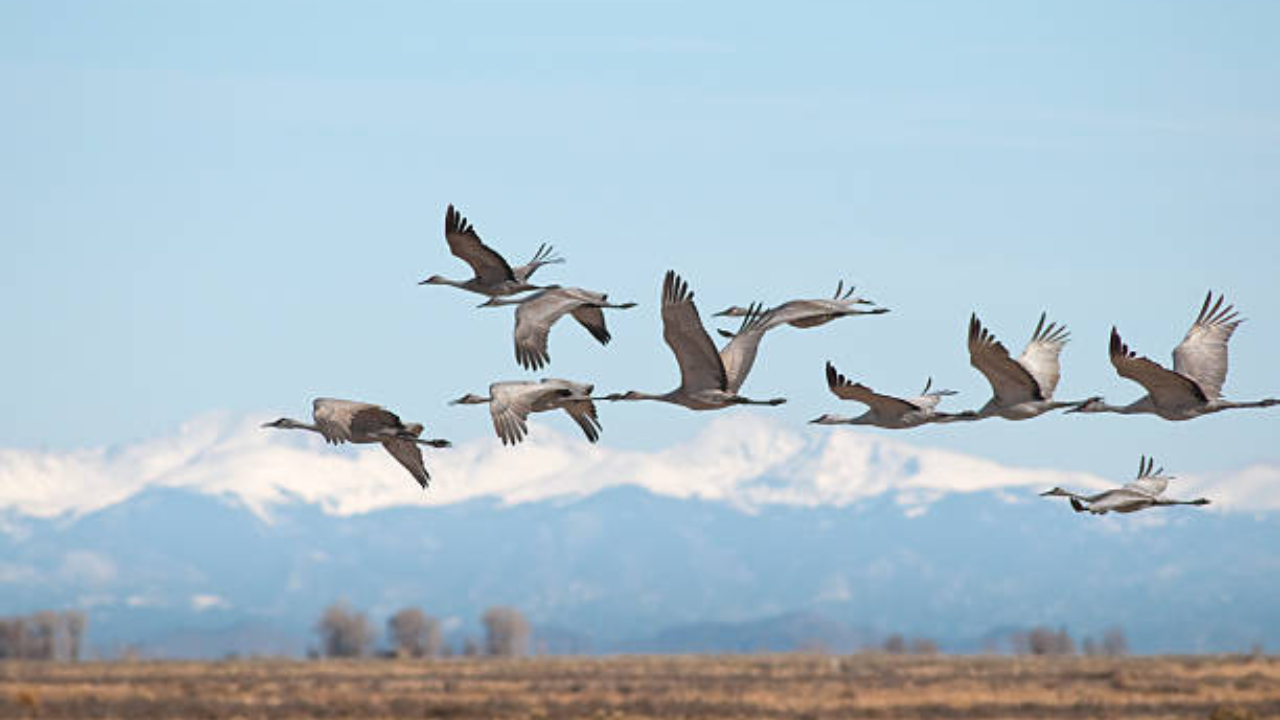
column 225, row 207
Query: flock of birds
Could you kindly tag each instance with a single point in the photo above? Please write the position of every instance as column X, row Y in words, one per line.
column 710, row 379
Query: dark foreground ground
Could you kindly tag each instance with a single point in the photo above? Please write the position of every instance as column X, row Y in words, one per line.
column 782, row 686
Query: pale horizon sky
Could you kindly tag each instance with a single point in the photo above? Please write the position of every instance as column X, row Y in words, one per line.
column 226, row 207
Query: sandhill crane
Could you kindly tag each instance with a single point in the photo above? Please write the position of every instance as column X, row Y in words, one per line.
column 342, row 421
column 1194, row 386
column 1021, row 388
column 538, row 312
column 887, row 411
column 510, row 404
column 708, row 380
column 493, row 276
column 809, row 313
column 1144, row 492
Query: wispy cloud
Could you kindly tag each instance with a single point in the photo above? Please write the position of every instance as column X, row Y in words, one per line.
column 743, row 460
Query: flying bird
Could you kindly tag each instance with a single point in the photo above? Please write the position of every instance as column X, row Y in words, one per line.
column 340, row 421
column 888, row 411
column 809, row 313
column 493, row 276
column 538, row 312
column 510, row 404
column 1194, row 386
column 1022, row 388
column 708, row 380
column 1146, row 491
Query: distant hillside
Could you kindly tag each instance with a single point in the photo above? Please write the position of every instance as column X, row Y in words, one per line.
column 627, row 570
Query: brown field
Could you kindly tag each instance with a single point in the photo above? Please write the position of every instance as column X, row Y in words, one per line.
column 776, row 686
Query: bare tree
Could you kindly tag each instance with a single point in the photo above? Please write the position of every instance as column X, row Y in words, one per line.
column 414, row 634
column 923, row 646
column 895, row 644
column 506, row 632
column 1114, row 642
column 74, row 622
column 13, row 638
column 1041, row 640
column 344, row 631
column 470, row 648
column 44, row 627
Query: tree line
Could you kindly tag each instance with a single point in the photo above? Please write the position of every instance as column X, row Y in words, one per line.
column 346, row 632
column 1041, row 640
column 45, row 635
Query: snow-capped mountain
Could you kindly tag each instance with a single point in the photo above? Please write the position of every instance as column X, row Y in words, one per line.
column 227, row 537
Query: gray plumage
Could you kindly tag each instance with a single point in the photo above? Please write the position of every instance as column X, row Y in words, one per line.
column 343, row 421
column 511, row 403
column 493, row 276
column 887, row 411
column 1021, row 387
column 1194, row 386
column 709, row 380
column 536, row 314
column 1146, row 490
column 809, row 313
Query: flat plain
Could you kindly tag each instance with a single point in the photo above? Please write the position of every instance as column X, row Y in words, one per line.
column 808, row 686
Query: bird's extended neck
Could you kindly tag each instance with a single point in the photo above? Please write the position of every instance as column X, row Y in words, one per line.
column 291, row 424
column 441, row 280
column 1097, row 405
column 500, row 301
column 866, row 418
column 638, row 395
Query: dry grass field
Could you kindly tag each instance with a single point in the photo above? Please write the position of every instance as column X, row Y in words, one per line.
column 778, row 686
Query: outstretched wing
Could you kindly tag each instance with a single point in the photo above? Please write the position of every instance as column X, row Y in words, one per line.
column 465, row 244
column 511, row 404
column 700, row 365
column 1150, row 480
column 739, row 354
column 1040, row 358
column 534, row 318
column 883, row 405
column 1010, row 381
column 336, row 419
column 583, row 412
column 546, row 255
column 409, row 455
column 1166, row 387
column 591, row 317
column 1202, row 354
column 929, row 399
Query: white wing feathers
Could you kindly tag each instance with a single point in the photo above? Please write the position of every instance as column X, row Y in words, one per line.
column 1040, row 358
column 1150, row 480
column 1202, row 354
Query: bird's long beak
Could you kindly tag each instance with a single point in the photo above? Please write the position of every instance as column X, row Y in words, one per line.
column 815, row 421
column 722, row 313
column 1047, row 493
